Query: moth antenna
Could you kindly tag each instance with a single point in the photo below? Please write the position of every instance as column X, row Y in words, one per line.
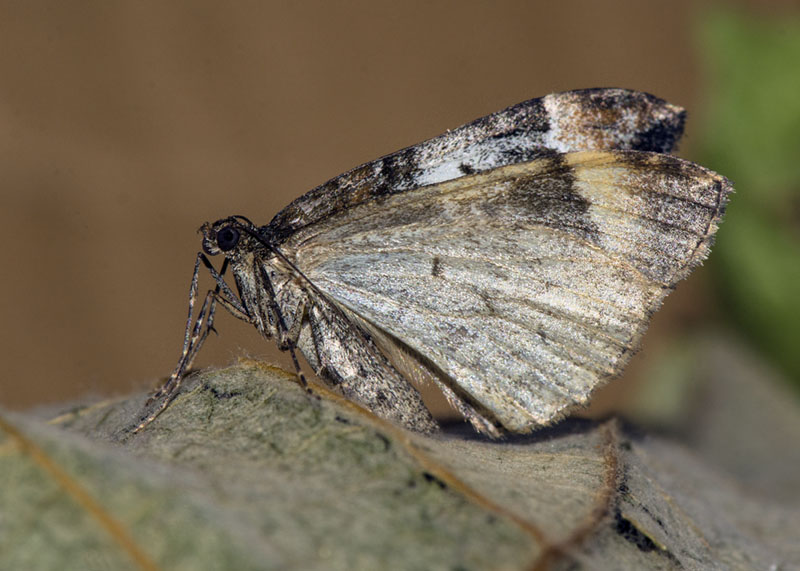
column 243, row 219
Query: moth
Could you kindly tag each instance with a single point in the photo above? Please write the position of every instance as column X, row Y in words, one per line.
column 513, row 262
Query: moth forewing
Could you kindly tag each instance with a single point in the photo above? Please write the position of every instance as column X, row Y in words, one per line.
column 523, row 286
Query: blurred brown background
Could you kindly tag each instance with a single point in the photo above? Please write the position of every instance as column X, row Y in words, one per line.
column 125, row 125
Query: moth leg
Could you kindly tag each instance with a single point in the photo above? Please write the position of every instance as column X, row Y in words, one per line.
column 169, row 390
column 196, row 335
column 289, row 338
column 224, row 293
column 191, row 326
column 286, row 340
column 200, row 332
column 196, row 332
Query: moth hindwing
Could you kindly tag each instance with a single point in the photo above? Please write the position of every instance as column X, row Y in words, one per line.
column 513, row 262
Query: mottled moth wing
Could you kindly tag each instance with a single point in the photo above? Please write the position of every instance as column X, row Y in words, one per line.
column 493, row 260
column 590, row 119
column 522, row 288
column 581, row 120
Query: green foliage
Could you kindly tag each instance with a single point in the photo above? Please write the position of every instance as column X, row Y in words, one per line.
column 753, row 137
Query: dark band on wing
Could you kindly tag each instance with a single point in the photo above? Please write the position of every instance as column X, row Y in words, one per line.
column 596, row 119
column 550, row 199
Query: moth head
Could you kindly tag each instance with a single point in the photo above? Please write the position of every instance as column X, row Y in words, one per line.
column 226, row 235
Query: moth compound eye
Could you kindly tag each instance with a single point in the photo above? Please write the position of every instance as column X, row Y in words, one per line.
column 227, row 238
